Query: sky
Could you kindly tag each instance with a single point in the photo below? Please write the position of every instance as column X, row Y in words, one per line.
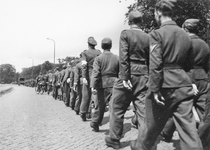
column 26, row 25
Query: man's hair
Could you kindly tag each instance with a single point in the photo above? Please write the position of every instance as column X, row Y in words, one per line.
column 135, row 21
column 164, row 8
column 106, row 46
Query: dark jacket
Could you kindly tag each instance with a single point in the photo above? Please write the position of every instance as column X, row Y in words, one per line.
column 89, row 56
column 169, row 55
column 66, row 74
column 201, row 59
column 105, row 70
column 134, row 53
column 78, row 74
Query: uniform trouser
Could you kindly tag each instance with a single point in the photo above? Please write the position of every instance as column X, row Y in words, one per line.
column 72, row 98
column 204, row 127
column 86, row 98
column 178, row 103
column 120, row 101
column 103, row 97
column 55, row 91
column 78, row 98
column 66, row 95
column 199, row 105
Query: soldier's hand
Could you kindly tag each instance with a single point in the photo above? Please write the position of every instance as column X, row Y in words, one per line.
column 159, row 99
column 84, row 80
column 127, row 84
column 94, row 91
column 75, row 87
column 195, row 89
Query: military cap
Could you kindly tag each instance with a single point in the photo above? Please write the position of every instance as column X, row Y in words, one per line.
column 134, row 15
column 106, row 41
column 191, row 24
column 166, row 4
column 92, row 41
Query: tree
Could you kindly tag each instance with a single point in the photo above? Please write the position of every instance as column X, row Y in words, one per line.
column 199, row 9
column 7, row 73
column 46, row 66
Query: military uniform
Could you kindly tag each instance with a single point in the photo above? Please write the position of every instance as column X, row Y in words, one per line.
column 88, row 56
column 105, row 71
column 198, row 75
column 78, row 86
column 55, row 83
column 73, row 93
column 66, row 85
column 133, row 60
column 169, row 56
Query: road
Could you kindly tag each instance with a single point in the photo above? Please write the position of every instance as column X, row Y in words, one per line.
column 38, row 122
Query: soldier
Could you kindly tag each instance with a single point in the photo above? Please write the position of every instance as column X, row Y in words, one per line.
column 55, row 83
column 204, row 127
column 73, row 92
column 133, row 77
column 170, row 88
column 50, row 77
column 65, row 84
column 39, row 79
column 105, row 71
column 62, row 73
column 198, row 74
column 88, row 57
column 78, row 86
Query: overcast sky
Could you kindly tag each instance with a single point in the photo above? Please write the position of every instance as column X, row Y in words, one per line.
column 26, row 25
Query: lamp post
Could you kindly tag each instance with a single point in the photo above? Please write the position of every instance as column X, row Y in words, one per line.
column 54, row 47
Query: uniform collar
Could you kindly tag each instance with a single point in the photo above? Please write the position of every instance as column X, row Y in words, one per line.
column 105, row 51
column 171, row 22
column 134, row 27
column 193, row 36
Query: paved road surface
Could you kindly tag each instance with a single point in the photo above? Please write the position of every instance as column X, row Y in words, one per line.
column 38, row 122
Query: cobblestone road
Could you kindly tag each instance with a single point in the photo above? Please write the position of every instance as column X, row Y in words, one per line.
column 38, row 122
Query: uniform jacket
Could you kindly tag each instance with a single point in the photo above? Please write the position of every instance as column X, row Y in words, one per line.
column 89, row 56
column 72, row 77
column 62, row 73
column 78, row 74
column 105, row 70
column 50, row 77
column 55, row 77
column 66, row 74
column 134, row 53
column 169, row 55
column 201, row 59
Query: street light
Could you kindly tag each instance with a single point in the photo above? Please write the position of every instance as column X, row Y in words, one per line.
column 54, row 47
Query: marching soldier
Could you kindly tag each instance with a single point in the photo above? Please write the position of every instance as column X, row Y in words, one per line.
column 88, row 57
column 198, row 74
column 105, row 71
column 73, row 92
column 170, row 88
column 62, row 73
column 65, row 84
column 131, row 86
column 55, row 83
column 78, row 86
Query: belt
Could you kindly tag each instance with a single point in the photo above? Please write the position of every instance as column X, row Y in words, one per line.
column 138, row 62
column 109, row 75
column 171, row 66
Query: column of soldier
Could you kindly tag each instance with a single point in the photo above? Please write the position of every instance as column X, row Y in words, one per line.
column 163, row 73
